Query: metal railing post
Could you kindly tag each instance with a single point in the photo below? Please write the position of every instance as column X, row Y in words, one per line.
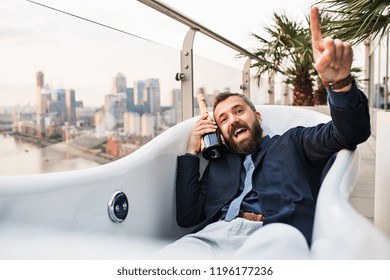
column 246, row 78
column 187, row 76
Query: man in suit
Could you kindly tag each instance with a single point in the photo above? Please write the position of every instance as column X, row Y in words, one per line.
column 258, row 198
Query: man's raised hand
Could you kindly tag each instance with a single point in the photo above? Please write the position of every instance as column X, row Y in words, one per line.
column 332, row 57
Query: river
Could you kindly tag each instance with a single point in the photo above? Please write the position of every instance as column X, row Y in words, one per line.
column 18, row 157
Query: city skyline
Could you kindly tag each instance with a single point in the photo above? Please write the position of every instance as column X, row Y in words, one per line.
column 119, row 127
column 81, row 55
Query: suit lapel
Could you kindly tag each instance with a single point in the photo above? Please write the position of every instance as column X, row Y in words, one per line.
column 263, row 149
column 259, row 157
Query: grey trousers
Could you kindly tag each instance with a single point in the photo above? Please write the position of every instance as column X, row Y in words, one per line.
column 239, row 239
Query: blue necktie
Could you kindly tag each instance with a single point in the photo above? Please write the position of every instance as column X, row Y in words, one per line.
column 234, row 207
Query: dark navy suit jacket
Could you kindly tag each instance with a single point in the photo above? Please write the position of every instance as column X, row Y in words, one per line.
column 287, row 171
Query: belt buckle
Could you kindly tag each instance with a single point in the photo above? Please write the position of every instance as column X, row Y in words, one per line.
column 252, row 216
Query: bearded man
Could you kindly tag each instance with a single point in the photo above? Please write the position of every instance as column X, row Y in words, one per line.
column 258, row 199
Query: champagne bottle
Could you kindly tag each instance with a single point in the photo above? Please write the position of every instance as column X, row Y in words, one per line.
column 211, row 147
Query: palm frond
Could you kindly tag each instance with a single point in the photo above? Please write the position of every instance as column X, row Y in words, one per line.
column 357, row 20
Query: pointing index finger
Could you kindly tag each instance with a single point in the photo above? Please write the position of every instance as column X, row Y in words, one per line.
column 315, row 28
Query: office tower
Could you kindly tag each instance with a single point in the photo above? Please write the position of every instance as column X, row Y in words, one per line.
column 70, row 103
column 115, row 106
column 119, row 83
column 151, row 96
column 138, row 93
column 40, row 79
column 39, row 111
column 56, row 106
column 130, row 99
column 176, row 106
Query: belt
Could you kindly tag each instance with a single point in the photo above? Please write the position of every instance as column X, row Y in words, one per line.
column 251, row 216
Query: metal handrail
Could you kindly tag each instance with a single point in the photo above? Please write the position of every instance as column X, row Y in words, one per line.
column 166, row 10
column 186, row 76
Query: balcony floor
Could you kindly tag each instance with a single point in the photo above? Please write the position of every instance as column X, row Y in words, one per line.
column 363, row 196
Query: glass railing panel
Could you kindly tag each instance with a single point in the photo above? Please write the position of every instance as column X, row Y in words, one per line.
column 212, row 78
column 76, row 94
column 259, row 90
column 82, row 88
column 218, row 68
column 379, row 73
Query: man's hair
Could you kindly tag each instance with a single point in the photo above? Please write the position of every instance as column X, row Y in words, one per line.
column 225, row 95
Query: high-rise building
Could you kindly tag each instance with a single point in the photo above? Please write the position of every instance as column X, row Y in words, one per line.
column 115, row 106
column 40, row 79
column 176, row 106
column 119, row 83
column 151, row 96
column 56, row 106
column 70, row 102
column 39, row 111
column 130, row 99
column 138, row 93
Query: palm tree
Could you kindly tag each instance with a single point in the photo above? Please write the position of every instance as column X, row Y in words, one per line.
column 357, row 20
column 289, row 53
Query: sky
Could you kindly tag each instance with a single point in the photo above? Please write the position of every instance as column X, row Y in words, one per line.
column 84, row 56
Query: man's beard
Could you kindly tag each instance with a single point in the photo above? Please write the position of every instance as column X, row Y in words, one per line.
column 247, row 145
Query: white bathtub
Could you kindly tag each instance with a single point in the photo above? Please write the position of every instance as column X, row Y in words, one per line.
column 65, row 215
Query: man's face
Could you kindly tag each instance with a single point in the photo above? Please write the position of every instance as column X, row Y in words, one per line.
column 239, row 125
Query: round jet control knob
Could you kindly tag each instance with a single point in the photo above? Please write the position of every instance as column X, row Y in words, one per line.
column 118, row 207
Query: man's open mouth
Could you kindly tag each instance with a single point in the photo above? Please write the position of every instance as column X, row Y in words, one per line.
column 240, row 131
